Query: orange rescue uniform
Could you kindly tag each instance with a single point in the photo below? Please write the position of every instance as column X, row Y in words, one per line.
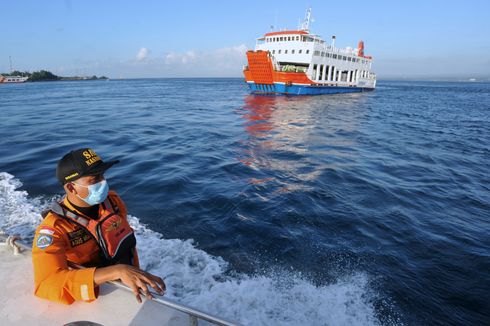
column 58, row 241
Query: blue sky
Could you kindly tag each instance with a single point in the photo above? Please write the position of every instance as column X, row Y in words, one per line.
column 408, row 39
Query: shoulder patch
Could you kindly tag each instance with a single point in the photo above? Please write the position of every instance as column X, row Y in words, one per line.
column 44, row 241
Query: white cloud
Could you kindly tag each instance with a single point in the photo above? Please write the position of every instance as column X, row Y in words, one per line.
column 221, row 62
column 142, row 54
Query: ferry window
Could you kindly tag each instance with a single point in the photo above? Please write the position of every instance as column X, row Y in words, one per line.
column 297, row 38
column 289, row 38
column 285, row 51
column 316, row 53
column 349, row 59
column 323, row 54
column 344, row 58
column 335, row 56
column 281, row 38
column 299, row 51
column 292, row 51
column 273, row 51
column 307, row 51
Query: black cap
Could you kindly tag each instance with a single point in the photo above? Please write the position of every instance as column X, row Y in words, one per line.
column 79, row 163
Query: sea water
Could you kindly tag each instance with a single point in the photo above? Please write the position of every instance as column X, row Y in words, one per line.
column 353, row 209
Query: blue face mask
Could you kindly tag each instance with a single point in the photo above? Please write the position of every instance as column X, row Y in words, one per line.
column 97, row 193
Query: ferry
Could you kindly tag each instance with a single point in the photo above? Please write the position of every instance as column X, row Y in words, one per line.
column 297, row 62
column 13, row 79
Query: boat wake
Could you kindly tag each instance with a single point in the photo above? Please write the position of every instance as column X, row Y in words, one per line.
column 203, row 281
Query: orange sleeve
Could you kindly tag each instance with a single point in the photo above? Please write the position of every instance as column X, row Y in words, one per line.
column 53, row 280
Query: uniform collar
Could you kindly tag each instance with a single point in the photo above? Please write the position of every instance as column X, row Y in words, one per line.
column 77, row 210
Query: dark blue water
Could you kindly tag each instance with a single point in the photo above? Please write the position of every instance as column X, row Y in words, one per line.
column 368, row 208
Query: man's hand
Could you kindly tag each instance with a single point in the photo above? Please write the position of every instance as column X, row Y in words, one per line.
column 131, row 276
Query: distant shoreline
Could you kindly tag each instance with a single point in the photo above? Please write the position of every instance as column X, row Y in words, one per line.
column 44, row 75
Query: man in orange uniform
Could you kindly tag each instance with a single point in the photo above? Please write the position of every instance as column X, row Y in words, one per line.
column 88, row 227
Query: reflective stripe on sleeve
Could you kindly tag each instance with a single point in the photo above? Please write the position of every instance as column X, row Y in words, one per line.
column 84, row 292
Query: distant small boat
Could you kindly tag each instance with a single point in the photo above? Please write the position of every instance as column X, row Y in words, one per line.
column 13, row 79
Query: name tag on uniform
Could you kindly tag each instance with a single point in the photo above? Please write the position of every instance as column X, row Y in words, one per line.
column 78, row 237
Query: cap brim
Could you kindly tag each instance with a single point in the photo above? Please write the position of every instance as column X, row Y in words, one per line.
column 101, row 168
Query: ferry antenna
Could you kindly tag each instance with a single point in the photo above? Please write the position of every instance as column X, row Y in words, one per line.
column 305, row 26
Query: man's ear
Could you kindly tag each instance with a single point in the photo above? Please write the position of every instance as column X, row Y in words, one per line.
column 69, row 188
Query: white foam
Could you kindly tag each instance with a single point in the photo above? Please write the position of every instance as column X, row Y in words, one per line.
column 198, row 279
column 18, row 213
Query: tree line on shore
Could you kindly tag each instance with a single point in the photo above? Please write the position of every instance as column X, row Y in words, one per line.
column 44, row 75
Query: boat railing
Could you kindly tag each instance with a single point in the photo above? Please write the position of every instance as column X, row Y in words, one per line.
column 18, row 246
